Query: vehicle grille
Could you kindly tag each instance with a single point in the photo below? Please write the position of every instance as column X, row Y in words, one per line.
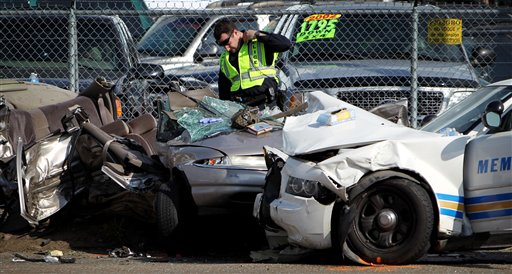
column 429, row 102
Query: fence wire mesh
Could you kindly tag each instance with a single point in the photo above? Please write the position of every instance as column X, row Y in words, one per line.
column 364, row 54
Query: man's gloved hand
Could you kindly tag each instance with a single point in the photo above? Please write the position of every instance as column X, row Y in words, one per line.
column 237, row 99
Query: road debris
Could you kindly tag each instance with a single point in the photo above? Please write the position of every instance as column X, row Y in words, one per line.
column 123, row 252
column 287, row 254
column 54, row 256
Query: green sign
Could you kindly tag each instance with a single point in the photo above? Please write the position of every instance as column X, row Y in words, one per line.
column 317, row 26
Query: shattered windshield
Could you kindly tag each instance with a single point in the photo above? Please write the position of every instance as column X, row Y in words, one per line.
column 336, row 37
column 170, row 36
column 465, row 116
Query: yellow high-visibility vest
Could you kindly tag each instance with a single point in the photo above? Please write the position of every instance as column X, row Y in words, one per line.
column 252, row 70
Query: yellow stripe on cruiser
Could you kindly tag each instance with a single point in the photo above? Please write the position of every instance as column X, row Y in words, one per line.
column 452, row 205
column 489, row 206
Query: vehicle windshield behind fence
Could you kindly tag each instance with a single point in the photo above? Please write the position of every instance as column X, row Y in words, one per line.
column 365, row 36
column 173, row 35
column 36, row 47
column 170, row 36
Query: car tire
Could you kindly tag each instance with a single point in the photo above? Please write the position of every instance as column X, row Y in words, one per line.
column 270, row 193
column 393, row 223
column 166, row 208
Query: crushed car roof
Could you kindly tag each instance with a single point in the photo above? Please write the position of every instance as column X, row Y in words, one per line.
column 25, row 95
column 304, row 134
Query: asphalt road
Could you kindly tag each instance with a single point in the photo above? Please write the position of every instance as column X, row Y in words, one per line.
column 219, row 245
column 472, row 262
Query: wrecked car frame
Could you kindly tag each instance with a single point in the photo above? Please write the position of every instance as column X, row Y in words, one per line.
column 220, row 167
column 52, row 153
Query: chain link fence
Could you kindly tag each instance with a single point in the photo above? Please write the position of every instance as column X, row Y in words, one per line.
column 365, row 54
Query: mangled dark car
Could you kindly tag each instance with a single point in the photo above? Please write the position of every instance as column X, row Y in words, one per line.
column 53, row 151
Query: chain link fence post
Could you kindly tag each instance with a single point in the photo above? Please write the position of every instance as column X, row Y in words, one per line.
column 414, row 69
column 73, row 49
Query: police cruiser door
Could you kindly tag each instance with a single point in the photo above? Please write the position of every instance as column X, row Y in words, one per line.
column 488, row 179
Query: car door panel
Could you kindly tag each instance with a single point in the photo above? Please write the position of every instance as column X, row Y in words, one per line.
column 488, row 182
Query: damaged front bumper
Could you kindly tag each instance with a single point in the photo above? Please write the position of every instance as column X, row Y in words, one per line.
column 306, row 220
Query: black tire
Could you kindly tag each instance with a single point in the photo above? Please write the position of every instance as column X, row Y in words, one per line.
column 393, row 223
column 166, row 212
column 270, row 193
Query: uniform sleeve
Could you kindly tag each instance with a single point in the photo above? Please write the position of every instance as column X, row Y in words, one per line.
column 224, row 86
column 275, row 42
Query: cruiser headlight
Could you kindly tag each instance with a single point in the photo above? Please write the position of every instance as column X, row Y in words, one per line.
column 307, row 189
column 457, row 97
column 302, row 187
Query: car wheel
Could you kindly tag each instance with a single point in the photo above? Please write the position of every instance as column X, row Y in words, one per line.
column 393, row 223
column 166, row 211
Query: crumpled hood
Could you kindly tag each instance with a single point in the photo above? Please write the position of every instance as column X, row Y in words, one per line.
column 242, row 142
column 303, row 134
column 446, row 73
column 234, row 143
column 239, row 143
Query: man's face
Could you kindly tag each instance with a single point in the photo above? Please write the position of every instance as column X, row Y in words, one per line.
column 230, row 41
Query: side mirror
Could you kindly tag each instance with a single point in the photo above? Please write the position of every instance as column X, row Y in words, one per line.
column 492, row 120
column 482, row 57
column 492, row 115
column 146, row 71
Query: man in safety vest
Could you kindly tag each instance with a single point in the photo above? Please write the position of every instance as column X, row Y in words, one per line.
column 247, row 68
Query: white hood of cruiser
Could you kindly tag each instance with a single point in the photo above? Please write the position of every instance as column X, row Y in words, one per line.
column 303, row 134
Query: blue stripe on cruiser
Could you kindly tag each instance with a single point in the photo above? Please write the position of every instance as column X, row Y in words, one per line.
column 451, row 198
column 451, row 213
column 489, row 198
column 490, row 214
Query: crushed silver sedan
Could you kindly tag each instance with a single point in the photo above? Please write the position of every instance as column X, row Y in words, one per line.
column 215, row 167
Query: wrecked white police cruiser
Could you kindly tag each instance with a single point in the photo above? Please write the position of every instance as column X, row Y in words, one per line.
column 383, row 193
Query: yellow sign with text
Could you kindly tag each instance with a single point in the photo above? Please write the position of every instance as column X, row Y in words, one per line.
column 445, row 31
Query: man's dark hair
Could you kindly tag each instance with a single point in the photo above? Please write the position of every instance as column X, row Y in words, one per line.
column 223, row 26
